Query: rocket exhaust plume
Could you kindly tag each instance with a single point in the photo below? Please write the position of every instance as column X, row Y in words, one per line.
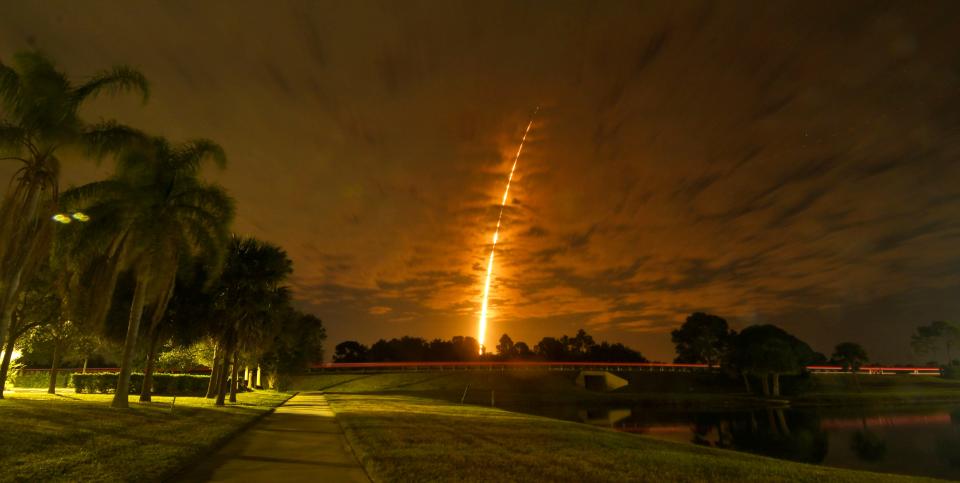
column 482, row 328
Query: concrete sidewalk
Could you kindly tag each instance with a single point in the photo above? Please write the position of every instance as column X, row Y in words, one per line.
column 300, row 441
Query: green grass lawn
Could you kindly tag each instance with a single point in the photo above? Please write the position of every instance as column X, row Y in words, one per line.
column 518, row 387
column 405, row 438
column 691, row 390
column 78, row 437
column 842, row 389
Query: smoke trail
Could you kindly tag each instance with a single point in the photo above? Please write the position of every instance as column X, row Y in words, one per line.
column 482, row 329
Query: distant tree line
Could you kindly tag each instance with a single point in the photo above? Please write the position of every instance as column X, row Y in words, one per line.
column 758, row 353
column 580, row 347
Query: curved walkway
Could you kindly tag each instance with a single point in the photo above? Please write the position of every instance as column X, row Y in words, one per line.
column 300, row 441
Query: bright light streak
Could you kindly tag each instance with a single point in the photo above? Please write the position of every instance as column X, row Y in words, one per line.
column 482, row 329
column 80, row 216
column 61, row 218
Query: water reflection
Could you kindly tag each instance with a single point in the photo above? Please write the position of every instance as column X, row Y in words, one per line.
column 794, row 436
column 923, row 441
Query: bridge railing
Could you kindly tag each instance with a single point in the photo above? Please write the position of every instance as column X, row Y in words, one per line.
column 562, row 366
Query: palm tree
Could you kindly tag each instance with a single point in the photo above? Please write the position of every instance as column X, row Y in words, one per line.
column 153, row 213
column 41, row 117
column 249, row 292
column 256, row 332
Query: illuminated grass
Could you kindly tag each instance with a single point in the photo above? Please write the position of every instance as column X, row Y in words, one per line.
column 74, row 437
column 403, row 438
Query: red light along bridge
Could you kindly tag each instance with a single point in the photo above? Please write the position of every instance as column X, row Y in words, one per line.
column 526, row 365
column 573, row 366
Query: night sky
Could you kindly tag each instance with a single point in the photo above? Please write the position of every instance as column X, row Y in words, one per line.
column 787, row 162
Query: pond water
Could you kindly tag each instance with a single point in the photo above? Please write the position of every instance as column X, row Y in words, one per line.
column 921, row 441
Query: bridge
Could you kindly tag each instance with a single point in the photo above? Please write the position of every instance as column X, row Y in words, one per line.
column 579, row 366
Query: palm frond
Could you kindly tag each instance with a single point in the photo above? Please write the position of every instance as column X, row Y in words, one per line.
column 43, row 100
column 210, row 198
column 192, row 153
column 116, row 80
column 12, row 138
column 110, row 137
column 82, row 197
column 9, row 86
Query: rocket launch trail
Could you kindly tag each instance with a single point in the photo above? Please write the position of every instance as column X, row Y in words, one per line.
column 482, row 326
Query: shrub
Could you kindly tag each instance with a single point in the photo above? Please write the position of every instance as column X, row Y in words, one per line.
column 39, row 379
column 163, row 384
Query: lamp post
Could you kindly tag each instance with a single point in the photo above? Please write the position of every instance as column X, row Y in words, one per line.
column 66, row 219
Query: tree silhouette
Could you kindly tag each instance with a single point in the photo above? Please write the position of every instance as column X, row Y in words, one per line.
column 505, row 348
column 767, row 352
column 350, row 351
column 703, row 338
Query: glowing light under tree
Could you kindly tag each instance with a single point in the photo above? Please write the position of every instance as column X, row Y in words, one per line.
column 482, row 326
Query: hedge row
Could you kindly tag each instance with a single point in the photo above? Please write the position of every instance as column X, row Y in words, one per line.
column 36, row 379
column 163, row 384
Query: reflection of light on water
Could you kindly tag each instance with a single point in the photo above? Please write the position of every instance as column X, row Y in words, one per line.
column 916, row 444
column 609, row 417
column 898, row 420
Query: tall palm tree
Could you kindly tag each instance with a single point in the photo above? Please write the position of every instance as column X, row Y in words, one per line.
column 154, row 212
column 249, row 291
column 40, row 117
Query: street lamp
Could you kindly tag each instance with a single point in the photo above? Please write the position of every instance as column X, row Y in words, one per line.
column 66, row 219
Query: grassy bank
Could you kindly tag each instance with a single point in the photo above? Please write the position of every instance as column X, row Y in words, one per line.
column 528, row 387
column 682, row 390
column 844, row 389
column 74, row 437
column 405, row 438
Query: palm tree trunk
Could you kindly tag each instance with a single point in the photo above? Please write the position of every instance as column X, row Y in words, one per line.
column 147, row 388
column 7, row 304
column 84, row 369
column 224, row 371
column 52, row 387
column 236, row 372
column 5, row 366
column 23, row 240
column 214, row 373
column 259, row 371
column 765, row 384
column 746, row 382
column 159, row 310
column 129, row 344
column 776, row 383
